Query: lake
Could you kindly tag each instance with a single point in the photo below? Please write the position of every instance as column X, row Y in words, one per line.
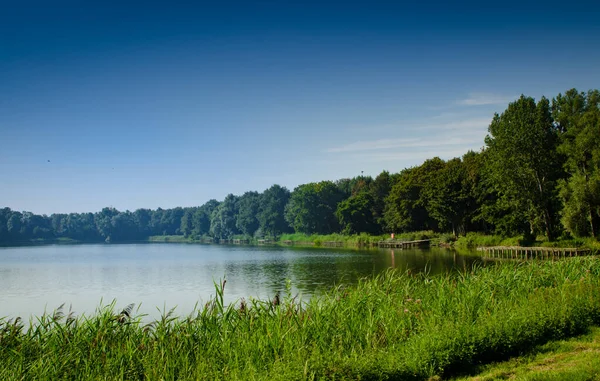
column 165, row 275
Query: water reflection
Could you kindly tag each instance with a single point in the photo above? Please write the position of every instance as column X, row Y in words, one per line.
column 33, row 279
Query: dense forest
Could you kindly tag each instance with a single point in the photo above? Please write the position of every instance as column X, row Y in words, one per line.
column 539, row 174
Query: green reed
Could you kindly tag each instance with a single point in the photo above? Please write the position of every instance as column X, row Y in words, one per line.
column 395, row 326
column 356, row 240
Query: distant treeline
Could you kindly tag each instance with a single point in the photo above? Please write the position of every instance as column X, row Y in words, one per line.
column 539, row 173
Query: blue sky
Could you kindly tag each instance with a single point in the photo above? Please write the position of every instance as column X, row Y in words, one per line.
column 162, row 105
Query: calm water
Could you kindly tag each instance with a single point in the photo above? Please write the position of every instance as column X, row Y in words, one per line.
column 38, row 278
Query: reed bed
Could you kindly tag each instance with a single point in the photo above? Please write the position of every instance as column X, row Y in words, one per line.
column 395, row 326
column 473, row 240
column 356, row 240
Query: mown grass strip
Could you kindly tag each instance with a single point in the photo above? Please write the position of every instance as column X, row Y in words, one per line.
column 574, row 359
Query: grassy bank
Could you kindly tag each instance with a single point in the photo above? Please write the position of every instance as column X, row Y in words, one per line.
column 472, row 240
column 42, row 241
column 398, row 326
column 469, row 241
column 355, row 240
column 171, row 238
column 575, row 359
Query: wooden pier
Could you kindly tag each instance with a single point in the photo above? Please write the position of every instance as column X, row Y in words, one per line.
column 522, row 252
column 394, row 244
column 241, row 241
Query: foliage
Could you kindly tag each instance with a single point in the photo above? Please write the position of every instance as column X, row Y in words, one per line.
column 523, row 162
column 472, row 240
column 581, row 199
column 223, row 218
column 201, row 218
column 248, row 207
column 406, row 205
column 271, row 213
column 355, row 215
column 312, row 208
column 578, row 117
column 187, row 226
column 448, row 197
column 379, row 190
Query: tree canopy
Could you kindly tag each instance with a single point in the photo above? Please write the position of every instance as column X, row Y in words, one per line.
column 523, row 161
column 539, row 173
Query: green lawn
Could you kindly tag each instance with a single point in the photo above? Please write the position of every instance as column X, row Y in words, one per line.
column 575, row 359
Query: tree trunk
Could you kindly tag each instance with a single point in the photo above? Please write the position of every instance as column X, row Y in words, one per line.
column 548, row 223
column 547, row 218
column 593, row 223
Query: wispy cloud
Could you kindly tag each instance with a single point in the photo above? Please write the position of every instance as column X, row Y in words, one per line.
column 479, row 99
column 429, row 132
column 409, row 142
column 411, row 156
column 374, row 145
column 387, row 144
column 457, row 122
column 457, row 125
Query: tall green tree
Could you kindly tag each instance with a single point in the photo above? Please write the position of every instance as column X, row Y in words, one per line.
column 581, row 199
column 448, row 197
column 142, row 219
column 156, row 226
column 103, row 221
column 483, row 207
column 345, row 186
column 14, row 225
column 355, row 214
column 187, row 224
column 202, row 217
column 5, row 214
column 578, row 118
column 523, row 161
column 223, row 218
column 312, row 208
column 123, row 227
column 379, row 189
column 58, row 221
column 406, row 204
column 81, row 227
column 247, row 216
column 271, row 211
column 171, row 220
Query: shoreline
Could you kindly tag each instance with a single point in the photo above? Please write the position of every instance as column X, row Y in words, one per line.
column 362, row 241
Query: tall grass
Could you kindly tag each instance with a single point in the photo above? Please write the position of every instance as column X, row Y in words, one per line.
column 354, row 240
column 398, row 325
column 588, row 242
column 472, row 240
column 170, row 238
